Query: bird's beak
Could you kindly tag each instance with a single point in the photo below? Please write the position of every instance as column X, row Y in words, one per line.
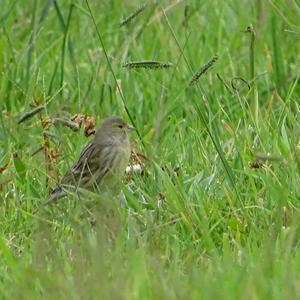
column 130, row 128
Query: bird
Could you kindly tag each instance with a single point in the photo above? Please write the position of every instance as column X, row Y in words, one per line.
column 101, row 163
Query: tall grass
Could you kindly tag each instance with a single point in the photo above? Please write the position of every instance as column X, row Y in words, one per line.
column 215, row 214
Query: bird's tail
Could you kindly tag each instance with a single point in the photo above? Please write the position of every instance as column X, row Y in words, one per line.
column 56, row 194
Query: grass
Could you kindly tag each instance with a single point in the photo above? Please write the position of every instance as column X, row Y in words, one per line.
column 216, row 213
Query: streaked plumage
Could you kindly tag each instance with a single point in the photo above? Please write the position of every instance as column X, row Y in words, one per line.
column 102, row 162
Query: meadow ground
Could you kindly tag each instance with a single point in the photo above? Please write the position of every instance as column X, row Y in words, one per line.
column 215, row 214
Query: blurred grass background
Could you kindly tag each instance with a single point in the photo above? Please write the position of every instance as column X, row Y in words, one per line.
column 216, row 214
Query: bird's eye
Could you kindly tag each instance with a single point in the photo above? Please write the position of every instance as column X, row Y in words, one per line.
column 120, row 126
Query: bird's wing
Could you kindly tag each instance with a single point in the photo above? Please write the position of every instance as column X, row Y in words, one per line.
column 93, row 162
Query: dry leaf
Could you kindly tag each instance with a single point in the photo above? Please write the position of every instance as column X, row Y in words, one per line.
column 160, row 198
column 54, row 154
column 5, row 114
column 136, row 156
column 46, row 122
column 89, row 128
column 89, row 123
column 5, row 167
column 49, row 156
column 78, row 118
column 255, row 165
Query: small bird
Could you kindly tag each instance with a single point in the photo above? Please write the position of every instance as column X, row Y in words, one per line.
column 101, row 163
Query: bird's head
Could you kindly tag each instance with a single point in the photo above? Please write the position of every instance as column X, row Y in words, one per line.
column 114, row 127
